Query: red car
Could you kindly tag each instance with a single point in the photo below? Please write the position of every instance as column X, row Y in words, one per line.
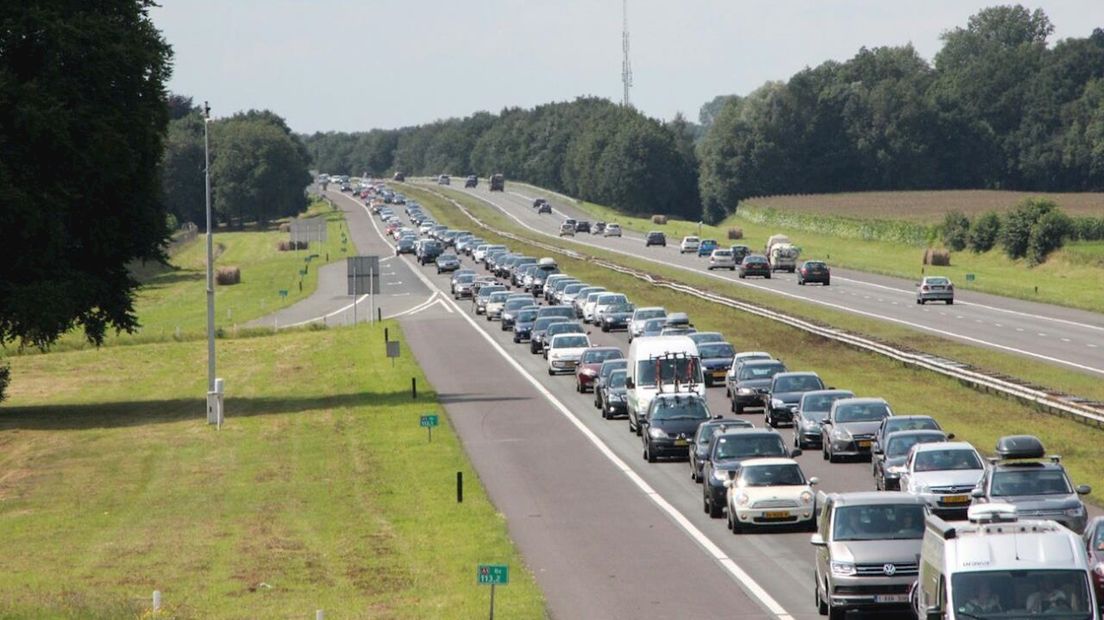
column 755, row 265
column 1094, row 547
column 586, row 372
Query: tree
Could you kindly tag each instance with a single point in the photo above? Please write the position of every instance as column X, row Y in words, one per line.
column 984, row 232
column 956, row 230
column 1017, row 225
column 82, row 89
column 182, row 164
column 1048, row 234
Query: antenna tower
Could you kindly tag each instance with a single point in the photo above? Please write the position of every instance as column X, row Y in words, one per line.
column 626, row 67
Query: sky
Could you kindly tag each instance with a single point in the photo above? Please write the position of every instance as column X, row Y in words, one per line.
column 342, row 65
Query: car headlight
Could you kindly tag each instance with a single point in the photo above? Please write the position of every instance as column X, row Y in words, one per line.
column 612, row 397
column 1077, row 511
column 806, row 497
column 841, row 433
column 657, row 433
column 843, row 569
column 742, row 499
column 720, row 474
column 1099, row 569
column 895, row 470
column 777, row 404
column 588, row 372
column 920, row 487
column 745, row 391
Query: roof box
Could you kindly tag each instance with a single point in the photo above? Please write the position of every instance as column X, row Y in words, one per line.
column 992, row 513
column 678, row 319
column 547, row 262
column 1020, row 447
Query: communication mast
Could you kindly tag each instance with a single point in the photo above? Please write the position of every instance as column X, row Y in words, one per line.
column 626, row 67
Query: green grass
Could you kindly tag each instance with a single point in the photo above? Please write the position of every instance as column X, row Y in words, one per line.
column 1085, row 253
column 973, row 416
column 172, row 302
column 321, row 491
column 1066, row 279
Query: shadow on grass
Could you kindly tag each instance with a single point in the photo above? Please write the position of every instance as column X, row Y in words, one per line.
column 141, row 413
column 449, row 399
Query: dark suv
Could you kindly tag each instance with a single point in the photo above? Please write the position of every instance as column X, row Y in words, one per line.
column 582, row 226
column 782, row 397
column 727, row 451
column 671, row 424
column 655, row 238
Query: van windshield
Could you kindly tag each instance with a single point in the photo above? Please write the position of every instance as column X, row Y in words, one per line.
column 1022, row 593
column 684, row 369
column 878, row 522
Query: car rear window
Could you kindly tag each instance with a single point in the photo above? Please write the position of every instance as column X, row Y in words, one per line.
column 716, row 349
column 1030, row 482
column 862, row 412
column 570, row 341
column 761, row 371
column 805, row 383
column 601, row 355
column 737, row 446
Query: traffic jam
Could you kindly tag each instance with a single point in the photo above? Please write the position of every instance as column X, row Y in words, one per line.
column 943, row 531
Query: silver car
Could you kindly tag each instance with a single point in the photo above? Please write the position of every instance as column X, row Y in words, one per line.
column 944, row 474
column 935, row 288
column 722, row 258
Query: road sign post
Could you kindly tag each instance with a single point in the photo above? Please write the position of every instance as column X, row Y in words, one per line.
column 363, row 275
column 493, row 575
column 428, row 422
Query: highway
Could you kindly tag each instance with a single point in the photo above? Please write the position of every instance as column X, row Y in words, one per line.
column 1066, row 337
column 607, row 534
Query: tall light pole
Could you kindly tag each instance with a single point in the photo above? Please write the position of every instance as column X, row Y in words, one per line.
column 210, row 254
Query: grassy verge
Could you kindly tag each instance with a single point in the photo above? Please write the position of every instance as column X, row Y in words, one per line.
column 973, row 416
column 1040, row 373
column 172, row 302
column 1066, row 279
column 321, row 492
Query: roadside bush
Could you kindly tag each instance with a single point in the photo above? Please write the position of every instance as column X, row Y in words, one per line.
column 956, row 230
column 735, row 233
column 1048, row 234
column 228, row 275
column 659, row 219
column 288, row 246
column 1087, row 228
column 984, row 232
column 1017, row 225
column 5, row 378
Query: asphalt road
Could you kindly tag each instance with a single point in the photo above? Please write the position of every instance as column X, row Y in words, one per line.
column 1063, row 336
column 607, row 534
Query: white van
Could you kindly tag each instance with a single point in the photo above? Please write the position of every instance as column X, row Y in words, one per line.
column 673, row 360
column 999, row 564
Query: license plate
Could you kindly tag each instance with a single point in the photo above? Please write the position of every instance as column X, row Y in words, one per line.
column 681, row 443
column 891, row 598
column 864, row 444
column 956, row 499
column 781, row 514
column 720, row 374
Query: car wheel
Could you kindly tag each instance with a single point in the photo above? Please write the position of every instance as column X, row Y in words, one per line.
column 832, row 458
column 822, row 607
column 705, row 502
column 605, row 416
column 950, row 302
column 824, row 449
column 736, row 527
column 516, row 340
column 920, row 301
column 605, row 328
column 715, row 511
column 827, row 282
column 800, row 282
column 649, row 454
column 768, row 276
column 743, row 276
column 836, row 613
column 550, row 373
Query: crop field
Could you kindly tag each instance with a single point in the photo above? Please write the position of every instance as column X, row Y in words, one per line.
column 926, row 206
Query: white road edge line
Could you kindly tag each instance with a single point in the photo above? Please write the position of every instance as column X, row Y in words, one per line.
column 739, row 574
column 807, row 299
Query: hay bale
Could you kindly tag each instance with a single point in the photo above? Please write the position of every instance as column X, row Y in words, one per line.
column 659, row 219
column 287, row 246
column 285, row 227
column 927, row 257
column 228, row 275
column 940, row 258
column 735, row 233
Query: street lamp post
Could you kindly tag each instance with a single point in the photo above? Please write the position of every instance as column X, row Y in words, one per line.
column 210, row 258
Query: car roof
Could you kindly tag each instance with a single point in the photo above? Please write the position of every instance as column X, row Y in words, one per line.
column 753, row 431
column 944, row 445
column 774, row 460
column 861, row 400
column 803, row 373
column 859, row 498
column 759, row 362
column 916, row 431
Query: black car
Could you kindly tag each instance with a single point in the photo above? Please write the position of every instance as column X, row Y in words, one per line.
column 471, row 181
column 655, row 237
column 604, row 371
column 613, row 394
column 544, row 208
column 539, row 201
column 811, row 411
column 727, row 451
column 671, row 423
column 617, row 317
column 716, row 359
column 428, row 251
column 781, row 400
column 511, row 309
column 739, row 253
column 753, row 379
column 699, row 448
column 896, row 423
column 536, row 334
column 404, row 246
column 814, row 271
column 889, row 464
column 755, row 265
column 582, row 226
column 523, row 324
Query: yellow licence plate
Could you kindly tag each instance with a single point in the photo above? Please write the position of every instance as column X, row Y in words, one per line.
column 681, row 442
column 956, row 499
column 864, row 444
column 720, row 374
column 782, row 514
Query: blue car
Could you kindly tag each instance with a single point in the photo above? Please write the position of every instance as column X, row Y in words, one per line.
column 706, row 247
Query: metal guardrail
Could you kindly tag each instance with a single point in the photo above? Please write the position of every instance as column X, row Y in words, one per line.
column 1075, row 408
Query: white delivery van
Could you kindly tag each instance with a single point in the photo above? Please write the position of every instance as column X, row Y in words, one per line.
column 661, row 364
column 1000, row 565
column 783, row 257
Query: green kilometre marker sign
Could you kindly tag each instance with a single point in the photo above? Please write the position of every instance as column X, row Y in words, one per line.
column 493, row 575
column 428, row 422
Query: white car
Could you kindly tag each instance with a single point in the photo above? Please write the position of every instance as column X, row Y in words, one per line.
column 771, row 491
column 640, row 315
column 564, row 352
column 944, row 474
column 495, row 303
column 589, row 305
column 604, row 303
column 689, row 244
column 612, row 230
column 481, row 252
column 722, row 259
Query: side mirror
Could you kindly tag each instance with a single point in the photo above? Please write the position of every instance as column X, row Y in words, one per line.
column 814, row 481
column 935, row 612
column 1084, row 489
column 817, row 540
column 876, row 449
column 977, row 493
column 796, row 452
column 629, row 383
column 826, row 422
column 950, row 436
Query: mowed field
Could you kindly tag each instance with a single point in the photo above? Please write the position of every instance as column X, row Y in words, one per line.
column 927, row 207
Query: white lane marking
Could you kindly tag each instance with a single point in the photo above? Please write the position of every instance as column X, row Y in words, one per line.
column 998, row 324
column 1019, row 329
column 1041, row 334
column 1091, row 345
column 813, row 300
column 739, row 574
column 1065, row 339
column 912, row 292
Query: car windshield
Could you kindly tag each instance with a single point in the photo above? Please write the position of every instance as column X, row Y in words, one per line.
column 680, row 408
column 514, row 304
column 910, row 424
column 717, row 349
column 526, row 316
column 899, row 446
column 569, row 342
column 782, row 475
column 654, row 325
column 878, row 522
column 607, row 300
column 820, row 402
column 499, row 297
column 706, row 432
column 1022, row 593
column 621, row 309
column 670, row 369
column 737, row 447
column 1034, row 481
column 598, row 356
column 565, row 327
column 611, row 366
column 465, row 279
column 760, row 371
column 563, row 313
column 617, row 379
column 940, row 460
column 545, row 321
column 800, row 383
column 643, row 315
column 861, row 412
column 938, row 281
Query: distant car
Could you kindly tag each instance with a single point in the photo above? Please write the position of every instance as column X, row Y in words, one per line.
column 814, row 271
column 471, row 181
column 612, row 230
column 671, row 422
column 598, row 228
column 447, row 262
column 636, row 323
column 428, row 251
column 544, row 208
column 850, row 427
column 889, row 463
column 655, row 237
column 700, row 338
column 811, row 411
column 613, row 395
column 586, row 373
column 699, row 447
column 616, row 317
column 935, row 288
column 565, row 350
column 716, row 359
column 706, row 247
column 404, row 246
column 443, row 179
column 539, row 201
column 582, row 226
column 722, row 259
column 770, row 491
column 755, row 265
column 739, row 252
column 399, row 176
column 782, row 397
column 567, row 229
column 495, row 304
column 690, row 244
